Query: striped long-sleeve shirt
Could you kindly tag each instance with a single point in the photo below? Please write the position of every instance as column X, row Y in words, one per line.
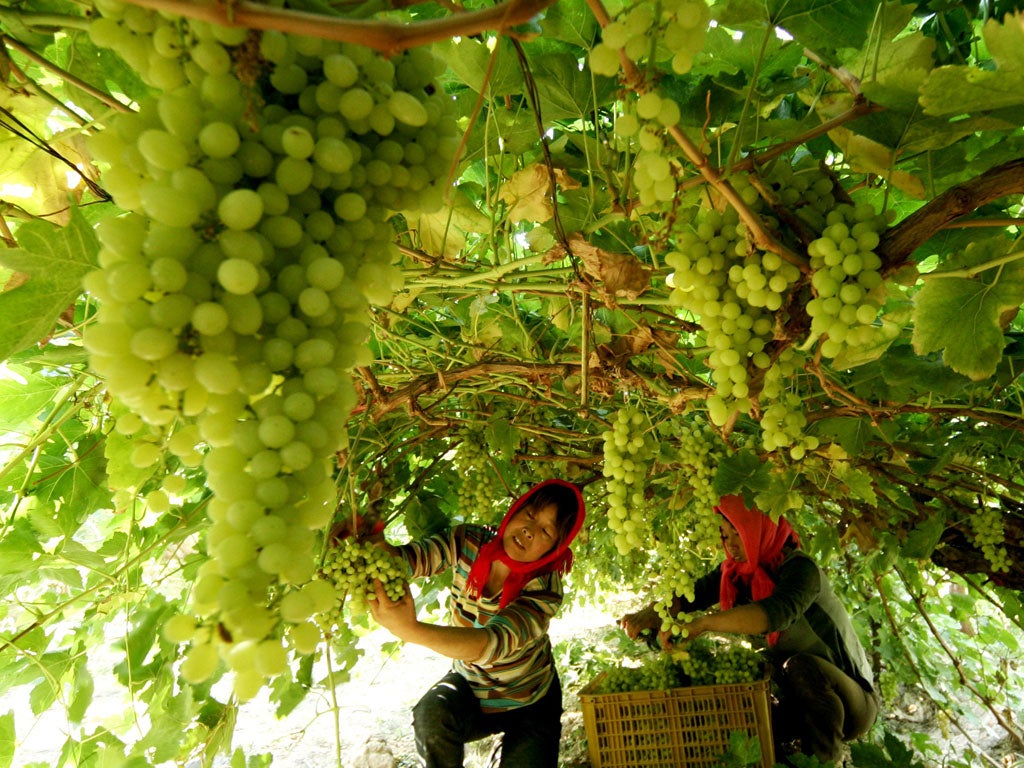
column 517, row 666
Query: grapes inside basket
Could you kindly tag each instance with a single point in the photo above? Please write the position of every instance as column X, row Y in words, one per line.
column 704, row 661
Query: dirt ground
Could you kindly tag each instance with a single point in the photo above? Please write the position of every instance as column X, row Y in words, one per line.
column 368, row 724
column 374, row 710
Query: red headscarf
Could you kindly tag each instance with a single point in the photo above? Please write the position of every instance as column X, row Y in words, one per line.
column 558, row 559
column 763, row 542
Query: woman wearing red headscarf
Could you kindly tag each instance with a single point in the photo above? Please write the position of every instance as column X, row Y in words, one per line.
column 506, row 586
column 768, row 586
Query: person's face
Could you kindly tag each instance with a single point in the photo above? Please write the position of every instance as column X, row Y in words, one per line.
column 531, row 533
column 732, row 542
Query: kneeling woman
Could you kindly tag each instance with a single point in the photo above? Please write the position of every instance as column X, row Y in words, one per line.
column 767, row 585
column 506, row 586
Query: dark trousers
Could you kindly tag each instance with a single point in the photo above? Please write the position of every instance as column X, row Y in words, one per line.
column 820, row 706
column 449, row 716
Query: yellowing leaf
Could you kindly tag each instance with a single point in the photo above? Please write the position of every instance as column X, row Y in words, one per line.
column 958, row 90
column 443, row 233
column 528, row 194
column 623, row 274
column 869, row 156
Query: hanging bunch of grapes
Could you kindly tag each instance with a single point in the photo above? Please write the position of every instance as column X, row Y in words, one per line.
column 742, row 294
column 258, row 181
column 629, row 450
column 477, row 483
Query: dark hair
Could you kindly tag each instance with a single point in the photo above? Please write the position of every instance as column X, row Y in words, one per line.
column 567, row 506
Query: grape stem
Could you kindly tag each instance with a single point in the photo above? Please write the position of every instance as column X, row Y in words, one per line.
column 387, row 37
column 66, row 76
column 899, row 242
column 971, row 272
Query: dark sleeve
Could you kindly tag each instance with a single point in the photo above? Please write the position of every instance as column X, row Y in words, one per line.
column 706, row 593
column 796, row 589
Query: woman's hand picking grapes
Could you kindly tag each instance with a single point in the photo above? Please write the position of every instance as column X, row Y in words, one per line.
column 635, row 623
column 396, row 616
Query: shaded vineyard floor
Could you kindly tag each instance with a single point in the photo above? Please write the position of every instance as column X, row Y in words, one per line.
column 370, row 716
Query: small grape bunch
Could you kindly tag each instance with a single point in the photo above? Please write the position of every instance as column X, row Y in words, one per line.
column 353, row 566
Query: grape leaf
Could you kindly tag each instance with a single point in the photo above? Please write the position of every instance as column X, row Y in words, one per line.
column 82, row 689
column 857, row 481
column 528, row 194
column 563, row 93
column 730, row 55
column 571, row 22
column 23, row 395
column 55, row 259
column 897, row 70
column 958, row 90
column 7, row 740
column 962, row 316
column 744, row 469
column 52, row 667
column 478, row 67
column 821, row 25
column 925, row 536
column 443, row 232
column 19, row 549
column 851, row 433
column 778, row 501
column 73, row 488
column 622, row 274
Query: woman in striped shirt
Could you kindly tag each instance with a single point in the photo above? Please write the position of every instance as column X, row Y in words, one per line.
column 506, row 586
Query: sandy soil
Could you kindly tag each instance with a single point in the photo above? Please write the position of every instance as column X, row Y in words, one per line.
column 372, row 712
column 369, row 724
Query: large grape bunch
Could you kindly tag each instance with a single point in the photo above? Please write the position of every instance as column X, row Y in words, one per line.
column 742, row 295
column 989, row 535
column 847, row 281
column 258, row 182
column 735, row 290
column 629, row 450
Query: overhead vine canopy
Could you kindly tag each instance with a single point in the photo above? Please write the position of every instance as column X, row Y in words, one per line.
column 272, row 266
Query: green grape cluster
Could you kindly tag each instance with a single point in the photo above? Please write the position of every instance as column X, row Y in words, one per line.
column 477, row 488
column 641, row 129
column 672, row 31
column 735, row 289
column 738, row 292
column 783, row 421
column 804, row 189
column 703, row 662
column 707, row 661
column 846, row 279
column 657, row 672
column 989, row 536
column 629, row 450
column 672, row 621
column 352, row 566
column 699, row 452
column 259, row 182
